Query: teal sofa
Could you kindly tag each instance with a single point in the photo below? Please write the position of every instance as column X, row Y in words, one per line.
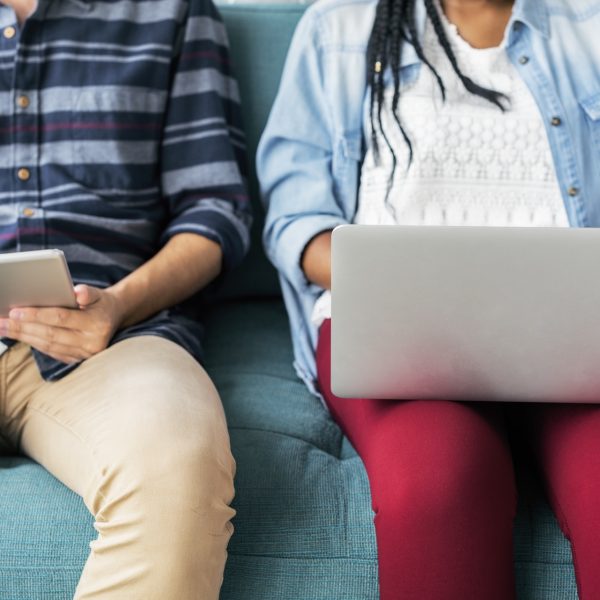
column 304, row 526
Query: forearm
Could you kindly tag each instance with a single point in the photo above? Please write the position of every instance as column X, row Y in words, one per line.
column 316, row 260
column 184, row 266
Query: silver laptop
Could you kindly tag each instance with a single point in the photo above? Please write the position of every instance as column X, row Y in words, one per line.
column 466, row 313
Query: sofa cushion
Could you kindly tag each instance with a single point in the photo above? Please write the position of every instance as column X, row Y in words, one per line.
column 259, row 36
column 45, row 531
column 302, row 493
column 304, row 526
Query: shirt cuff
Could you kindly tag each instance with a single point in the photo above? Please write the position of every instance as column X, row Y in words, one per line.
column 292, row 242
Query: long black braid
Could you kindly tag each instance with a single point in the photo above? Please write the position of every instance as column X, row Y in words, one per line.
column 490, row 95
column 395, row 24
column 377, row 59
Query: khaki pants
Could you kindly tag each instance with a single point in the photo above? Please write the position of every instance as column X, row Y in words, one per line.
column 139, row 433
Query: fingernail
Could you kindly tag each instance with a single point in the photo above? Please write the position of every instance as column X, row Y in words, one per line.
column 15, row 314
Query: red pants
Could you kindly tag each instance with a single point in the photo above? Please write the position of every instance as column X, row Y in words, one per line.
column 443, row 490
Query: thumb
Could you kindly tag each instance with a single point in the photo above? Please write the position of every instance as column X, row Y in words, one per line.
column 86, row 295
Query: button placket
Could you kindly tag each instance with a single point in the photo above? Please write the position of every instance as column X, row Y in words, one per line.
column 26, row 142
column 561, row 142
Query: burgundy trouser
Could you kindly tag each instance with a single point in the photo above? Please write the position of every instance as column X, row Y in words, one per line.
column 443, row 490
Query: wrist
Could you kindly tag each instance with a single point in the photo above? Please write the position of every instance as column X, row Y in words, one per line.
column 120, row 305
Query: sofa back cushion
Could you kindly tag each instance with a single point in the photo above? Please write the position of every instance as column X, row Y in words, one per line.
column 260, row 35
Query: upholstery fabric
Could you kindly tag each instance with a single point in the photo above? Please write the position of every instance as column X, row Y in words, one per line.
column 259, row 36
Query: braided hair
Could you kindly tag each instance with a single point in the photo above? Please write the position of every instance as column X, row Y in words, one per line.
column 394, row 25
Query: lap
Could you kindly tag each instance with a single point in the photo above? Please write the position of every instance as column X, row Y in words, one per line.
column 415, row 431
column 139, row 398
column 564, row 440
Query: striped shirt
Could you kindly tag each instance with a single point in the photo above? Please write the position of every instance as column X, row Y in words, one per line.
column 120, row 128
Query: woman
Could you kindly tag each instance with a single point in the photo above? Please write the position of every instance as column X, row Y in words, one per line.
column 482, row 112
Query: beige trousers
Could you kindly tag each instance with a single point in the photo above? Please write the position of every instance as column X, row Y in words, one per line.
column 139, row 433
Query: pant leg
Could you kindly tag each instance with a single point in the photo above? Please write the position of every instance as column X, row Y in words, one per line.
column 442, row 488
column 566, row 443
column 139, row 432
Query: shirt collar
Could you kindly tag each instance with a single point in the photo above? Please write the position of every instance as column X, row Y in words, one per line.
column 533, row 13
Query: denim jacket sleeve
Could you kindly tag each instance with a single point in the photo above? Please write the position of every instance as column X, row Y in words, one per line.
column 294, row 159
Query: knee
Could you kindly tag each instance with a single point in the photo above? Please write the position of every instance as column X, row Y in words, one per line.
column 190, row 459
column 178, row 486
column 437, row 495
column 172, row 447
column 447, row 478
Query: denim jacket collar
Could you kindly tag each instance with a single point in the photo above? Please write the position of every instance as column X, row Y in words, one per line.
column 531, row 12
column 534, row 14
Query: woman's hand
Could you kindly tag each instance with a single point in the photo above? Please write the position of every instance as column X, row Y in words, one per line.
column 65, row 334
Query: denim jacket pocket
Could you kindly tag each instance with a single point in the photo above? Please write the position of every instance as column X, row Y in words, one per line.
column 347, row 159
column 348, row 152
column 591, row 107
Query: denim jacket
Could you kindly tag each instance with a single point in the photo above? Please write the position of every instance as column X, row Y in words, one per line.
column 310, row 154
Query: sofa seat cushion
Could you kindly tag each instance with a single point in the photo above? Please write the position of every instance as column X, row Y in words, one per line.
column 303, row 499
column 304, row 526
column 45, row 531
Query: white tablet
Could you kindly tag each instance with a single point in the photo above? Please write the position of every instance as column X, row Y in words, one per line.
column 38, row 278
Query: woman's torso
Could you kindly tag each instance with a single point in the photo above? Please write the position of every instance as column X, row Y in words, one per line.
column 565, row 87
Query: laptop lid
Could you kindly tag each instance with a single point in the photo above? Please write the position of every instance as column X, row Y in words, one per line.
column 466, row 313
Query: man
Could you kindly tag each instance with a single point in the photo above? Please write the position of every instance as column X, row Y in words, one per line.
column 120, row 144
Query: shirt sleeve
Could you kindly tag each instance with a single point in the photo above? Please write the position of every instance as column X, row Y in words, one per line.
column 294, row 159
column 203, row 152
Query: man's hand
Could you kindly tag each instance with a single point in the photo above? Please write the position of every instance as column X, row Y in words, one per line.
column 68, row 335
column 185, row 265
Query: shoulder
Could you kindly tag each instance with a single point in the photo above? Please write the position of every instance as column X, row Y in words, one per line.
column 579, row 11
column 340, row 23
column 574, row 26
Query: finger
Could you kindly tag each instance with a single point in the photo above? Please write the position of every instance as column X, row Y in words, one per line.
column 67, row 354
column 69, row 360
column 67, row 337
column 66, row 318
column 86, row 295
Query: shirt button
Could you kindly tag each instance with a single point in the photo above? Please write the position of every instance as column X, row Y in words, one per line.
column 23, row 102
column 24, row 174
column 524, row 60
column 573, row 191
column 556, row 121
column 9, row 33
column 28, row 212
